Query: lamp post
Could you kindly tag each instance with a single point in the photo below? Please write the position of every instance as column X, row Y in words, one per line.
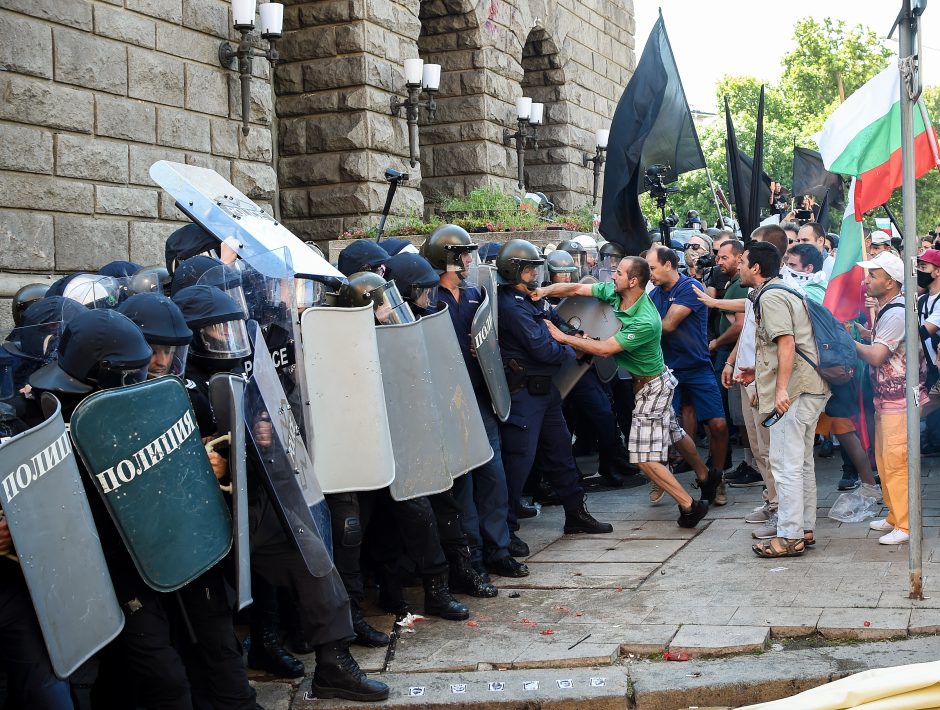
column 602, row 136
column 418, row 77
column 271, row 25
column 529, row 116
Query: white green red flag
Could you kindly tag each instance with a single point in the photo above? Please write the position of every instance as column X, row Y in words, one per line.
column 862, row 138
column 845, row 295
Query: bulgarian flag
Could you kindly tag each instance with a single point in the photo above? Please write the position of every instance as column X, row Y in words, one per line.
column 845, row 294
column 862, row 138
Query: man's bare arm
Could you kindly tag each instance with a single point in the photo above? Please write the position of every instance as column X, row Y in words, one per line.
column 562, row 290
column 674, row 317
column 598, row 348
column 875, row 355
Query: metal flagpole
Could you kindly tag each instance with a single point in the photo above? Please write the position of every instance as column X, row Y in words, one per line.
column 910, row 92
column 708, row 174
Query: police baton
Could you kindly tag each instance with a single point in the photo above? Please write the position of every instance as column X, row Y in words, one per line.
column 392, row 177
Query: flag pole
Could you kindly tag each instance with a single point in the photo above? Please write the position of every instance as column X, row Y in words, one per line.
column 910, row 92
column 708, row 174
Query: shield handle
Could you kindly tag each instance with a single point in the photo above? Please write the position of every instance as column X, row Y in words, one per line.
column 210, row 447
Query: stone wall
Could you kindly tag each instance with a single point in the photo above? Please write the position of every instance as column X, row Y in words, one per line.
column 92, row 94
column 343, row 62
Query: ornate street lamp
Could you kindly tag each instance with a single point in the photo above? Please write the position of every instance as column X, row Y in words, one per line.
column 602, row 136
column 528, row 117
column 418, row 77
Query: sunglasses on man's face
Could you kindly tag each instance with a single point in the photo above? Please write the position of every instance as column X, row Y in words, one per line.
column 695, row 247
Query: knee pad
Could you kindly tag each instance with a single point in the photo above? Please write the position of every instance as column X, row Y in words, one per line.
column 352, row 532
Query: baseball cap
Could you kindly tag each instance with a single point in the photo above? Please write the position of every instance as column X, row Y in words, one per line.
column 891, row 263
column 931, row 256
column 880, row 237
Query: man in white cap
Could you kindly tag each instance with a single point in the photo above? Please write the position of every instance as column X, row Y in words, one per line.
column 886, row 358
column 877, row 243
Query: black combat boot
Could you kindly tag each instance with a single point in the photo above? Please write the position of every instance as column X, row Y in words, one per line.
column 391, row 598
column 266, row 653
column 438, row 601
column 581, row 521
column 366, row 635
column 464, row 579
column 339, row 676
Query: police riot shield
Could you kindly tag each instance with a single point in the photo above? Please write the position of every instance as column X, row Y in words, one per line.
column 415, row 423
column 606, row 368
column 351, row 444
column 485, row 341
column 217, row 206
column 57, row 544
column 227, row 397
column 288, row 473
column 486, row 276
column 466, row 445
column 143, row 452
column 596, row 319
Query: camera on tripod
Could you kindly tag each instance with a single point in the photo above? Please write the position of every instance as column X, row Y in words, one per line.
column 656, row 175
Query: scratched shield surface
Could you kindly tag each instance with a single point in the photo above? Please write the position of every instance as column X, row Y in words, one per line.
column 485, row 340
column 596, row 319
column 57, row 544
column 145, row 457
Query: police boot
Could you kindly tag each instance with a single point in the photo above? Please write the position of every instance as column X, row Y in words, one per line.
column 266, row 653
column 391, row 598
column 438, row 601
column 464, row 579
column 366, row 635
column 337, row 675
column 581, row 521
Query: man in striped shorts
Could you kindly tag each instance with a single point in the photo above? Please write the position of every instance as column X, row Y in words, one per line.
column 636, row 347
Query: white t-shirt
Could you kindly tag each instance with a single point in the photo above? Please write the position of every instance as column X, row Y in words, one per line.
column 828, row 263
column 930, row 314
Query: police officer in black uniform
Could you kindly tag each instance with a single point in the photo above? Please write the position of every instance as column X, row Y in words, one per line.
column 322, row 603
column 532, row 357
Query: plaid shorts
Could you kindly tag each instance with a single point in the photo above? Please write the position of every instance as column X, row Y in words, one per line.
column 655, row 426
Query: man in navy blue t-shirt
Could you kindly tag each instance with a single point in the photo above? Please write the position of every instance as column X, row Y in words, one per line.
column 685, row 350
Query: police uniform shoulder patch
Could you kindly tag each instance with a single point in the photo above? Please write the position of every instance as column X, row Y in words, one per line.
column 189, row 384
column 631, row 336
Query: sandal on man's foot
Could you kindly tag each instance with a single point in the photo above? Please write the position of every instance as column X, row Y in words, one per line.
column 784, row 547
column 809, row 538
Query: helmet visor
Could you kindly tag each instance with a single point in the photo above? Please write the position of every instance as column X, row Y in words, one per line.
column 530, row 273
column 389, row 307
column 230, row 280
column 109, row 377
column 224, row 341
column 167, row 360
column 424, row 297
column 309, row 293
column 459, row 258
column 608, row 265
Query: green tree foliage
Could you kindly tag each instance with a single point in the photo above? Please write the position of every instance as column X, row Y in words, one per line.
column 796, row 106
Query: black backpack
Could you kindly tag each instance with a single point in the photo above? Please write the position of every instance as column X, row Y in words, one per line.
column 837, row 355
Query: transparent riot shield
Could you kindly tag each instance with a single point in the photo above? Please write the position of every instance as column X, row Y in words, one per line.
column 416, row 420
column 351, row 443
column 217, row 206
column 596, row 319
column 143, row 452
column 485, row 341
column 57, row 544
column 466, row 445
column 227, row 397
column 288, row 472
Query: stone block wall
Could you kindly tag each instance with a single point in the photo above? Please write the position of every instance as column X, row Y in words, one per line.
column 91, row 94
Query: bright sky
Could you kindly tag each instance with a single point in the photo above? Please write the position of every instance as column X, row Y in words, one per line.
column 748, row 38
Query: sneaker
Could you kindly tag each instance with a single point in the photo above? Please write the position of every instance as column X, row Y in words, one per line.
column 745, row 477
column 767, row 530
column 895, row 537
column 656, row 493
column 881, row 525
column 721, row 495
column 870, row 491
column 849, row 482
column 826, row 449
column 761, row 515
column 691, row 518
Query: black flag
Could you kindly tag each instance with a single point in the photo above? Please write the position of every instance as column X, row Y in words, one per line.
column 810, row 177
column 753, row 200
column 746, row 169
column 823, row 217
column 652, row 125
column 740, row 170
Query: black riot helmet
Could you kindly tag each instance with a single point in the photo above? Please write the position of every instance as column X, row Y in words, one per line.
column 25, row 297
column 416, row 279
column 361, row 255
column 189, row 272
column 150, row 279
column 100, row 349
column 609, row 256
column 578, row 252
column 164, row 328
column 220, row 337
column 119, row 269
column 368, row 288
column 35, row 341
column 612, row 249
column 449, row 248
column 514, row 257
column 187, row 242
column 561, row 267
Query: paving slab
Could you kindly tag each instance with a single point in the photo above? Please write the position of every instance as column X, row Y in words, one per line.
column 644, row 639
column 857, row 623
column 784, row 621
column 589, row 575
column 924, row 621
column 696, row 640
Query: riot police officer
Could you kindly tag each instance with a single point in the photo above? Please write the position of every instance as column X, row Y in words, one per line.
column 25, row 297
column 220, row 344
column 187, row 242
column 361, row 255
column 531, row 358
column 445, row 249
column 609, row 255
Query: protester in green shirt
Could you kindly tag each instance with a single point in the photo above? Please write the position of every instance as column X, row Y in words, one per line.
column 637, row 348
